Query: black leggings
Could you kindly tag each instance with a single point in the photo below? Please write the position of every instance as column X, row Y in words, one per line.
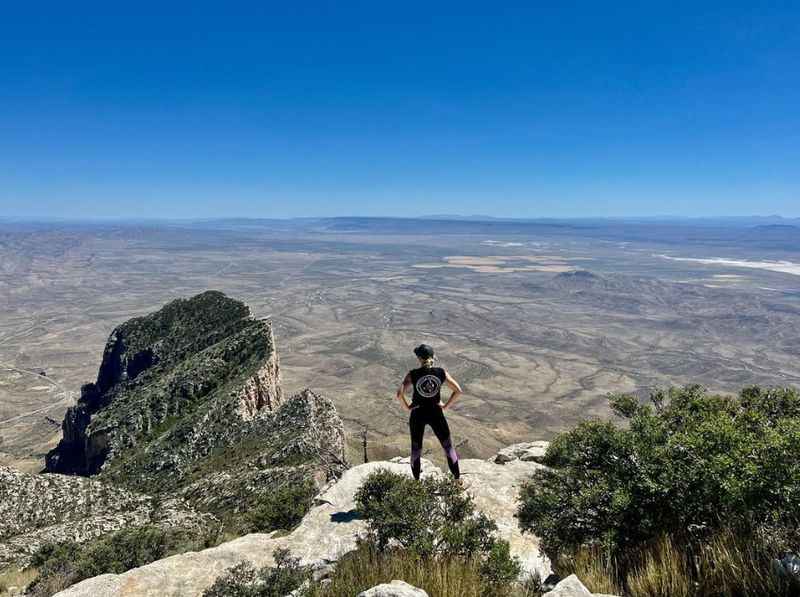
column 430, row 415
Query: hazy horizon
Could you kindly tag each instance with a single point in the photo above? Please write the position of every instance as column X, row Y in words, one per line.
column 443, row 216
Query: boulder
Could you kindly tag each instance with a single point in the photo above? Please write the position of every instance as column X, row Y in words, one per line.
column 788, row 567
column 572, row 587
column 396, row 588
column 569, row 587
column 329, row 530
column 527, row 452
column 495, row 489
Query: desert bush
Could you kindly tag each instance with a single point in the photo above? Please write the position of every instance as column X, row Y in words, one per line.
column 56, row 563
column 727, row 564
column 436, row 521
column 440, row 575
column 431, row 516
column 61, row 565
column 694, row 490
column 690, row 462
column 281, row 509
column 271, row 581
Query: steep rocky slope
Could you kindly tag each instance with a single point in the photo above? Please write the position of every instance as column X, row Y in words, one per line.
column 173, row 386
column 185, row 426
column 328, row 531
column 39, row 509
column 188, row 402
column 303, row 439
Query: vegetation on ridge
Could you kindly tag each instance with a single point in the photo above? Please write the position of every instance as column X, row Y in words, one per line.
column 61, row 565
column 56, row 566
column 282, row 509
column 188, row 401
column 426, row 532
column 698, row 491
column 270, row 581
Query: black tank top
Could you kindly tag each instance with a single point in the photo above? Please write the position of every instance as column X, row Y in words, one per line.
column 427, row 382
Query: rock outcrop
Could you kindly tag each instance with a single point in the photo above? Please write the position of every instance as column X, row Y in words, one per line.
column 188, row 402
column 303, row 439
column 175, row 384
column 40, row 509
column 528, row 452
column 329, row 530
column 396, row 588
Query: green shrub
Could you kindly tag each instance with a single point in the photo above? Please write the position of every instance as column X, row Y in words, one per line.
column 56, row 563
column 271, row 581
column 430, row 516
column 63, row 564
column 434, row 518
column 688, row 468
column 691, row 462
column 499, row 569
column 282, row 509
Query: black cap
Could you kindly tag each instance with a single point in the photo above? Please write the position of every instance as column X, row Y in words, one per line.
column 424, row 351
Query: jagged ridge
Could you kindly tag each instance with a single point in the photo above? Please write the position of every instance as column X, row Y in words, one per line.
column 176, row 384
column 188, row 402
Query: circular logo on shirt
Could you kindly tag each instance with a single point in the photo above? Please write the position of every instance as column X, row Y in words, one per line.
column 428, row 386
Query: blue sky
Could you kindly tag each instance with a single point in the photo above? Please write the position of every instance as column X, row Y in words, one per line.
column 373, row 108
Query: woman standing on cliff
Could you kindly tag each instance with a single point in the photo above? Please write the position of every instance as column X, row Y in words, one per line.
column 426, row 407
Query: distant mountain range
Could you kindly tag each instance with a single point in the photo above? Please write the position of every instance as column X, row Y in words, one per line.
column 485, row 218
column 690, row 220
column 773, row 233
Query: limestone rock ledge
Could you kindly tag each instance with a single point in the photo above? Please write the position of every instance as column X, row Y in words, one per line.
column 528, row 452
column 329, row 530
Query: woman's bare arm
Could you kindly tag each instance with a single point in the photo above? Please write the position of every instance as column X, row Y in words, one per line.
column 401, row 391
column 453, row 385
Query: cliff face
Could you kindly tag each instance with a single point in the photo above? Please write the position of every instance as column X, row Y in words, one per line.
column 186, row 426
column 188, row 400
column 179, row 383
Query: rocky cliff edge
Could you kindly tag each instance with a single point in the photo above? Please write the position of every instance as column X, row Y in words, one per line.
column 329, row 530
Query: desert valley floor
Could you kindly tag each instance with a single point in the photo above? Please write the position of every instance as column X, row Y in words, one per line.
column 539, row 324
